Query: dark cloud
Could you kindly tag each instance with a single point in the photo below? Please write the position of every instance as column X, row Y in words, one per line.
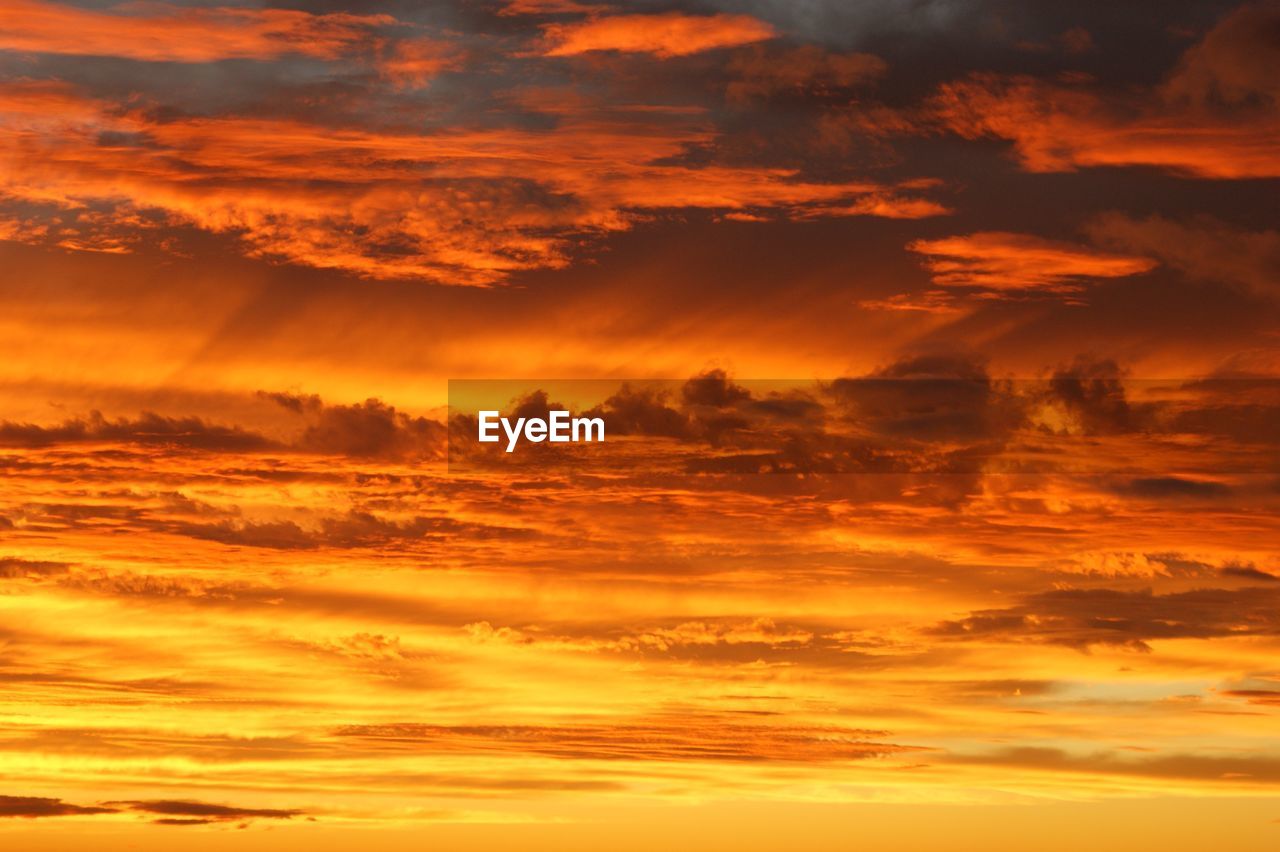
column 31, row 807
column 148, row 428
column 1266, row 697
column 1203, row 248
column 203, row 811
column 372, row 429
column 643, row 411
column 173, row 812
column 695, row 737
column 1172, row 487
column 1235, row 63
column 1082, row 617
column 932, row 398
column 1247, row 572
column 1093, row 390
column 1217, row 768
column 352, row 530
column 14, row 568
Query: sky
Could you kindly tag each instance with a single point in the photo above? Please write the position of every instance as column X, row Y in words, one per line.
column 938, row 343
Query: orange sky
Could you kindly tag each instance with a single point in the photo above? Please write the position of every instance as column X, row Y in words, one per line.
column 938, row 343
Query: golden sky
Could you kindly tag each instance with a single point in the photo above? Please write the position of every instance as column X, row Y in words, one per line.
column 938, row 342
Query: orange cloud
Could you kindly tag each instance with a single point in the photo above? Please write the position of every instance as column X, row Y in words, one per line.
column 929, row 302
column 412, row 62
column 1217, row 116
column 1002, row 261
column 548, row 7
column 463, row 206
column 665, row 35
column 162, row 33
column 1056, row 129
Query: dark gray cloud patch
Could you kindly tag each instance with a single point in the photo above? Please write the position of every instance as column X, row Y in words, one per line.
column 34, row 807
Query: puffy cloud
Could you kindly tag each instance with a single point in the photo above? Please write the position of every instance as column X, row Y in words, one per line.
column 1092, row 390
column 371, row 429
column 1236, row 61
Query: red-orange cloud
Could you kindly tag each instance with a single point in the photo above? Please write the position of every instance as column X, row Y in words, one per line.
column 1057, row 129
column 461, row 206
column 997, row 260
column 1216, row 116
column 665, row 35
column 165, row 33
column 412, row 62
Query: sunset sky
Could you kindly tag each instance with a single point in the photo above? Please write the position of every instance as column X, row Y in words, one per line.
column 939, row 344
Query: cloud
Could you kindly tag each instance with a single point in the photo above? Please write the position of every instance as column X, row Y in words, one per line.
column 15, row 568
column 353, row 529
column 932, row 413
column 1217, row 116
column 938, row 302
column 199, row 813
column 663, row 35
column 163, row 33
column 371, row 429
column 32, row 807
column 805, row 71
column 944, row 399
column 1235, row 62
column 148, row 428
column 643, row 411
column 718, row 640
column 549, row 7
column 466, row 205
column 695, row 737
column 1266, row 697
column 1079, row 618
column 171, row 811
column 1218, row 769
column 409, row 63
column 1204, row 249
column 1173, row 487
column 1092, row 391
column 1003, row 262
